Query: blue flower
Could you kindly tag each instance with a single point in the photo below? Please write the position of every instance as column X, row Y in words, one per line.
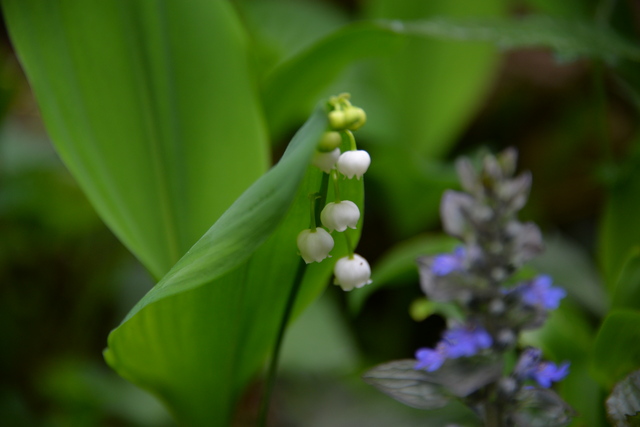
column 547, row 372
column 460, row 341
column 539, row 292
column 444, row 264
column 431, row 359
column 465, row 341
column 531, row 367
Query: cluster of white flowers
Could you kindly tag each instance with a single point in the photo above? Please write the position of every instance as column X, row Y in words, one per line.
column 314, row 244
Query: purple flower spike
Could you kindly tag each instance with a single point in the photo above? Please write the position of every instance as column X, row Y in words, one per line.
column 547, row 372
column 539, row 292
column 444, row 264
column 431, row 359
column 544, row 373
column 466, row 341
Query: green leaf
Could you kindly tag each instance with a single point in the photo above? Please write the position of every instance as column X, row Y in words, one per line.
column 618, row 233
column 434, row 85
column 402, row 382
column 283, row 28
column 210, row 321
column 291, row 88
column 626, row 293
column 430, row 390
column 151, row 107
column 572, row 269
column 569, row 39
column 616, row 352
column 441, row 79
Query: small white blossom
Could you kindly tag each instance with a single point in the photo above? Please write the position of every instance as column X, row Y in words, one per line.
column 355, row 162
column 314, row 245
column 352, row 272
column 339, row 216
column 325, row 161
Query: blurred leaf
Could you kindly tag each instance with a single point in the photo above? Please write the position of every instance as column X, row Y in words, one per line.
column 402, row 174
column 430, row 390
column 623, row 405
column 292, row 87
column 401, row 381
column 584, row 394
column 541, row 408
column 573, row 270
column 569, row 39
column 566, row 8
column 283, row 28
column 151, row 107
column 626, row 293
column 434, row 85
column 398, row 265
column 319, row 342
column 422, row 308
column 212, row 318
column 616, row 352
column 618, row 235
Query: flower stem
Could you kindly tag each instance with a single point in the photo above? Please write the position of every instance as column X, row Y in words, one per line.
column 336, row 185
column 272, row 370
column 275, row 355
column 493, row 415
column 312, row 211
column 351, row 140
column 349, row 244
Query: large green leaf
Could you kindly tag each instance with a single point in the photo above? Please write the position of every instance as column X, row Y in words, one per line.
column 616, row 352
column 619, row 234
column 200, row 334
column 435, row 84
column 291, row 88
column 434, row 77
column 151, row 106
column 626, row 293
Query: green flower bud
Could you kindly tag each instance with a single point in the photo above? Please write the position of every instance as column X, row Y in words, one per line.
column 355, row 118
column 337, row 120
column 330, row 141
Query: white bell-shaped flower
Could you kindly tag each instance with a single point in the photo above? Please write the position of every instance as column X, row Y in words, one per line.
column 353, row 163
column 314, row 245
column 325, row 161
column 339, row 216
column 352, row 272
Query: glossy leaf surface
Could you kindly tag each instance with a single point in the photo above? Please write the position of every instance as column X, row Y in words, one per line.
column 615, row 353
column 136, row 98
column 211, row 320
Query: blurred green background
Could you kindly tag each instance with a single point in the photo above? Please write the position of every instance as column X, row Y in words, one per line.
column 66, row 281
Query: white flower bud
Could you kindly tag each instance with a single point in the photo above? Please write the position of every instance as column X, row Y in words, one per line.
column 355, row 162
column 325, row 161
column 339, row 216
column 352, row 272
column 314, row 245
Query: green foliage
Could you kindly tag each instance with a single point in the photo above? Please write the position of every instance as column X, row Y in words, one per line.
column 616, row 352
column 618, row 235
column 626, row 293
column 568, row 39
column 135, row 100
column 298, row 82
column 160, row 111
column 234, row 282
